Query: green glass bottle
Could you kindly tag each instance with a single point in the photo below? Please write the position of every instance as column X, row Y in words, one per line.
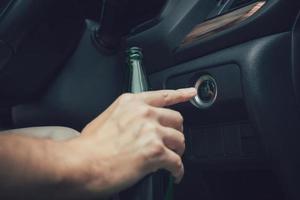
column 137, row 81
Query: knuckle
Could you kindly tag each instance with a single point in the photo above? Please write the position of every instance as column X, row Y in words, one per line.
column 154, row 150
column 166, row 97
column 182, row 96
column 149, row 128
column 125, row 98
column 157, row 149
column 145, row 111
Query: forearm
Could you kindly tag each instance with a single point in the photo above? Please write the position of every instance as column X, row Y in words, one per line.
column 33, row 169
column 134, row 137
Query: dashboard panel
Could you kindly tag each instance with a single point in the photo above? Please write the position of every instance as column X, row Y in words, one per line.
column 161, row 42
column 235, row 107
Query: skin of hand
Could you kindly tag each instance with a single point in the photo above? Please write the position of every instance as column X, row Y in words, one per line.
column 134, row 137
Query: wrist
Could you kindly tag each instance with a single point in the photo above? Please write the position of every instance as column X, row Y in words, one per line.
column 66, row 173
column 76, row 169
column 57, row 162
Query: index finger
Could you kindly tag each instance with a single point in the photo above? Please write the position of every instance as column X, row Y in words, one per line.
column 165, row 98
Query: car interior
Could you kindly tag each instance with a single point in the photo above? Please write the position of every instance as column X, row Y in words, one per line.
column 64, row 62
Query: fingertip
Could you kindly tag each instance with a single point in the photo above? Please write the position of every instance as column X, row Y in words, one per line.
column 178, row 179
column 191, row 92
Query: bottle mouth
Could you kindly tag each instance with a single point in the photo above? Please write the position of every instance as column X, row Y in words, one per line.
column 135, row 53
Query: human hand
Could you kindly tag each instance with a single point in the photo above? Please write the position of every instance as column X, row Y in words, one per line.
column 134, row 137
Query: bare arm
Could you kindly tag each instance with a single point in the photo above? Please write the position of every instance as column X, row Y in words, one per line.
column 134, row 137
column 29, row 167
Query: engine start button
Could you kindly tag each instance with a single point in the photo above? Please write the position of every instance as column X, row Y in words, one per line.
column 207, row 90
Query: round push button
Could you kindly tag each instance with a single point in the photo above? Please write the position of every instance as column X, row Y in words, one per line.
column 207, row 92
